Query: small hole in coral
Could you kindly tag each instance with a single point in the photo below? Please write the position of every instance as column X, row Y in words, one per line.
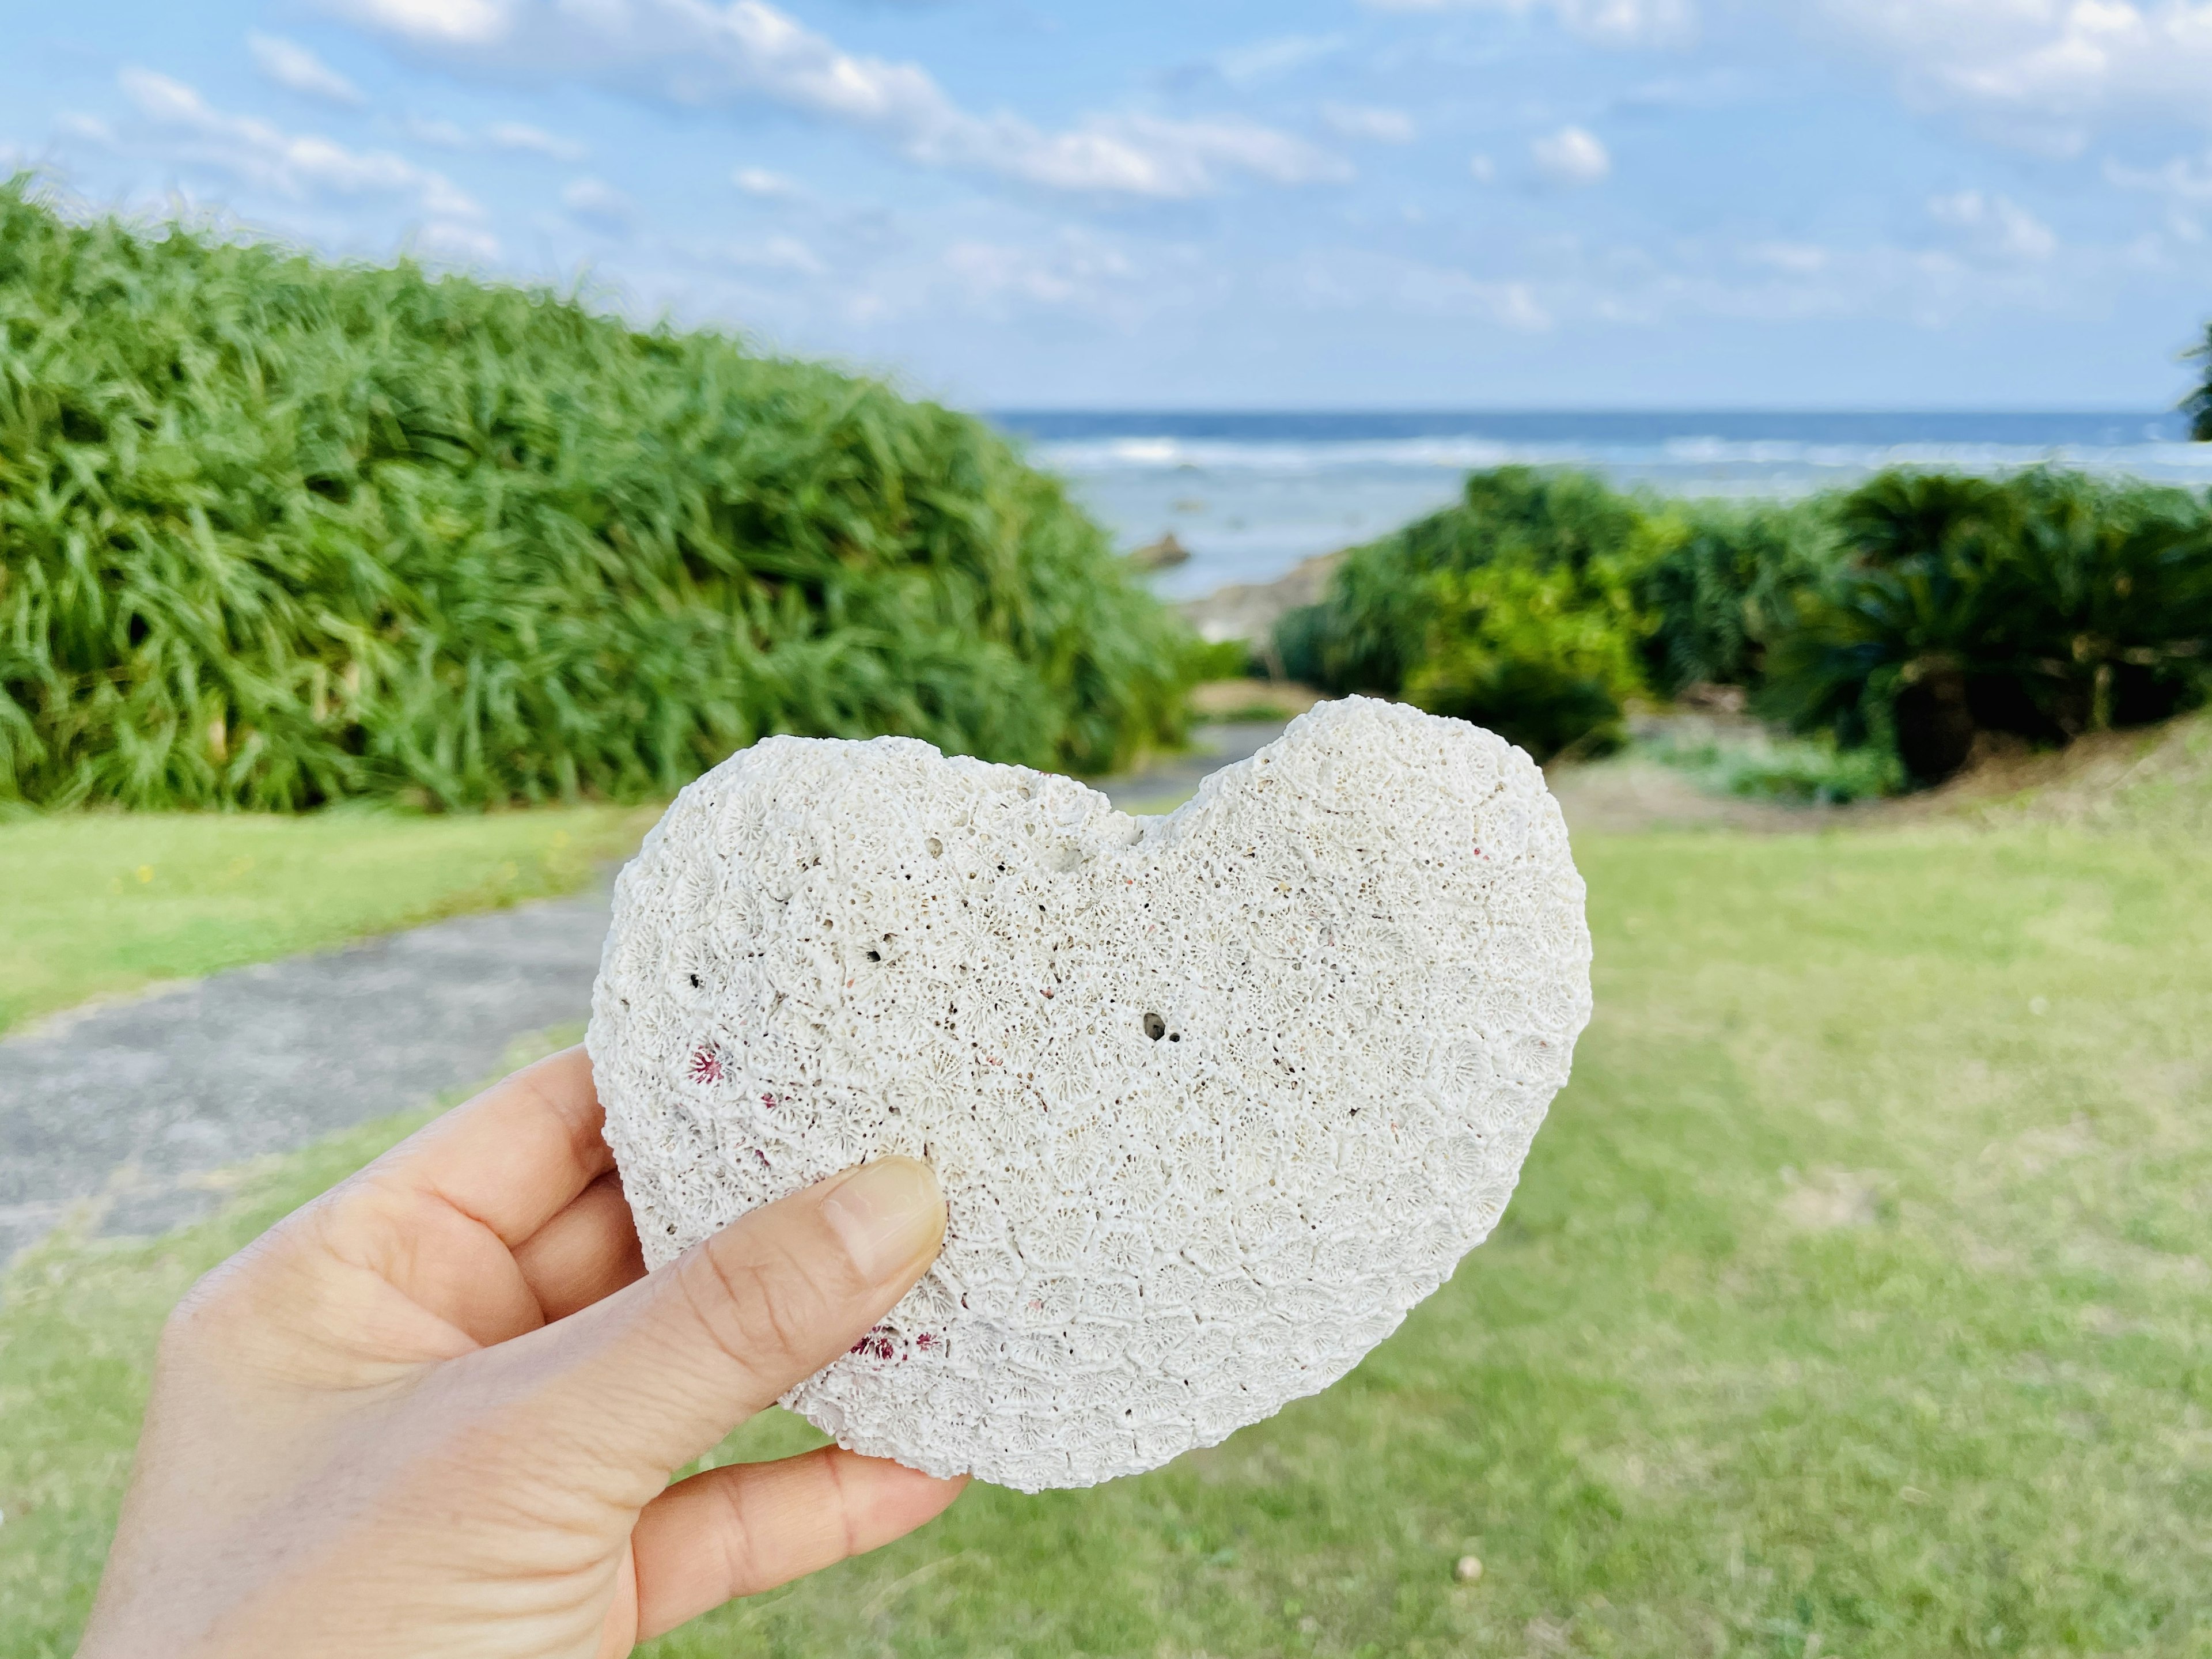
column 695, row 981
column 875, row 956
column 1175, row 1037
column 936, row 847
column 1155, row 1027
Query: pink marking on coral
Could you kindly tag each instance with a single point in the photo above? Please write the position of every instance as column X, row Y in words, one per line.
column 926, row 1341
column 876, row 1345
column 706, row 1066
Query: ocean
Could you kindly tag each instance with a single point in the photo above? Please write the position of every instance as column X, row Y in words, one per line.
column 1250, row 494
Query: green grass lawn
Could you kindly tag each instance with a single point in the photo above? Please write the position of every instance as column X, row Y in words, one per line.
column 96, row 904
column 1856, row 1301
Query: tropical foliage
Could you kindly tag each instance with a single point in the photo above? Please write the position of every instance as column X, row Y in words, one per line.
column 275, row 533
column 2044, row 605
column 1907, row 616
column 1514, row 608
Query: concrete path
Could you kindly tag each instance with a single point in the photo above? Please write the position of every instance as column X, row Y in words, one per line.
column 1169, row 781
column 127, row 1107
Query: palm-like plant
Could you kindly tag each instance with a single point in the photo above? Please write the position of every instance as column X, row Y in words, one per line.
column 2200, row 404
column 2045, row 605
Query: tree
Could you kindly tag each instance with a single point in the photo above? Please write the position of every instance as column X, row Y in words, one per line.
column 2200, row 404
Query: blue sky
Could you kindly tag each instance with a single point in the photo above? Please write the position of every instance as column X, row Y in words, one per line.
column 1465, row 203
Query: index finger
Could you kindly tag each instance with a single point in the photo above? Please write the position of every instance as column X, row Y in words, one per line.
column 515, row 1156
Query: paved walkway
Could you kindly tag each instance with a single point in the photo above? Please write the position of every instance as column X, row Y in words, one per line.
column 127, row 1108
column 1167, row 782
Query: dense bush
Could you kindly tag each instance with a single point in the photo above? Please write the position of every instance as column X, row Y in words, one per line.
column 1906, row 615
column 274, row 532
column 2043, row 605
column 1725, row 586
column 1514, row 608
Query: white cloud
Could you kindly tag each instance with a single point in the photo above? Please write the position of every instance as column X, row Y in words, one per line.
column 291, row 65
column 598, row 205
column 1792, row 258
column 501, row 135
column 1484, row 169
column 782, row 253
column 298, row 165
column 759, row 181
column 1349, row 279
column 2183, row 178
column 2043, row 68
column 1609, row 22
column 518, row 135
column 1994, row 227
column 1384, row 127
column 1264, row 59
column 451, row 239
column 1571, row 157
column 89, row 129
column 1072, row 272
column 430, row 129
column 455, row 22
column 695, row 52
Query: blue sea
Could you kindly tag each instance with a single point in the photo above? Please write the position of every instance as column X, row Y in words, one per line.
column 1250, row 494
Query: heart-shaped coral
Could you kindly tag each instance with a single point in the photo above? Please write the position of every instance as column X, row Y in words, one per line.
column 1214, row 1098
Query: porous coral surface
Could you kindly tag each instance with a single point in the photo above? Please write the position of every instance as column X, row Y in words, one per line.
column 1214, row 1098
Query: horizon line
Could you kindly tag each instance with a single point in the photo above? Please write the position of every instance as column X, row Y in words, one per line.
column 1495, row 411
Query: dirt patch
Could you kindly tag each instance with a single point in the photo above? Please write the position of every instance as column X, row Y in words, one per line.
column 1620, row 796
column 1831, row 1199
column 1252, row 700
column 2160, row 774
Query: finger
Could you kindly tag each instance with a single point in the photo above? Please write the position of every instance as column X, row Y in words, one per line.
column 515, row 1156
column 657, row 1373
column 739, row 1530
column 583, row 1254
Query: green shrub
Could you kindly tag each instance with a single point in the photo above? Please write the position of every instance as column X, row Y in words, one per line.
column 1221, row 659
column 1725, row 588
column 274, row 532
column 1513, row 607
column 1808, row 771
column 2046, row 605
column 1539, row 656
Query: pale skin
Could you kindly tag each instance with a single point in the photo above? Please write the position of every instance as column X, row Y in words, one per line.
column 435, row 1412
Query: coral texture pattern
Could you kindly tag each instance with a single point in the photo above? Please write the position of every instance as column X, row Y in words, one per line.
column 1214, row 1098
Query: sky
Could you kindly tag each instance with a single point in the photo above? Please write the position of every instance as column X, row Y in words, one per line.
column 1224, row 203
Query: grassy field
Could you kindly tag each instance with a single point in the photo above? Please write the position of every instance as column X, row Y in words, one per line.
column 1856, row 1301
column 102, row 903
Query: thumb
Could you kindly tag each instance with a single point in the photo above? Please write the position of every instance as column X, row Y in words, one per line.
column 659, row 1372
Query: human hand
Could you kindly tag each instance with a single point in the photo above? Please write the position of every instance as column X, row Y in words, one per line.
column 434, row 1412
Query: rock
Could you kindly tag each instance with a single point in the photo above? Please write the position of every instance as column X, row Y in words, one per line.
column 1162, row 555
column 1250, row 610
column 1468, row 1570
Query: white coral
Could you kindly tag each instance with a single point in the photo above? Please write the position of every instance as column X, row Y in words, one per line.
column 1215, row 1098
